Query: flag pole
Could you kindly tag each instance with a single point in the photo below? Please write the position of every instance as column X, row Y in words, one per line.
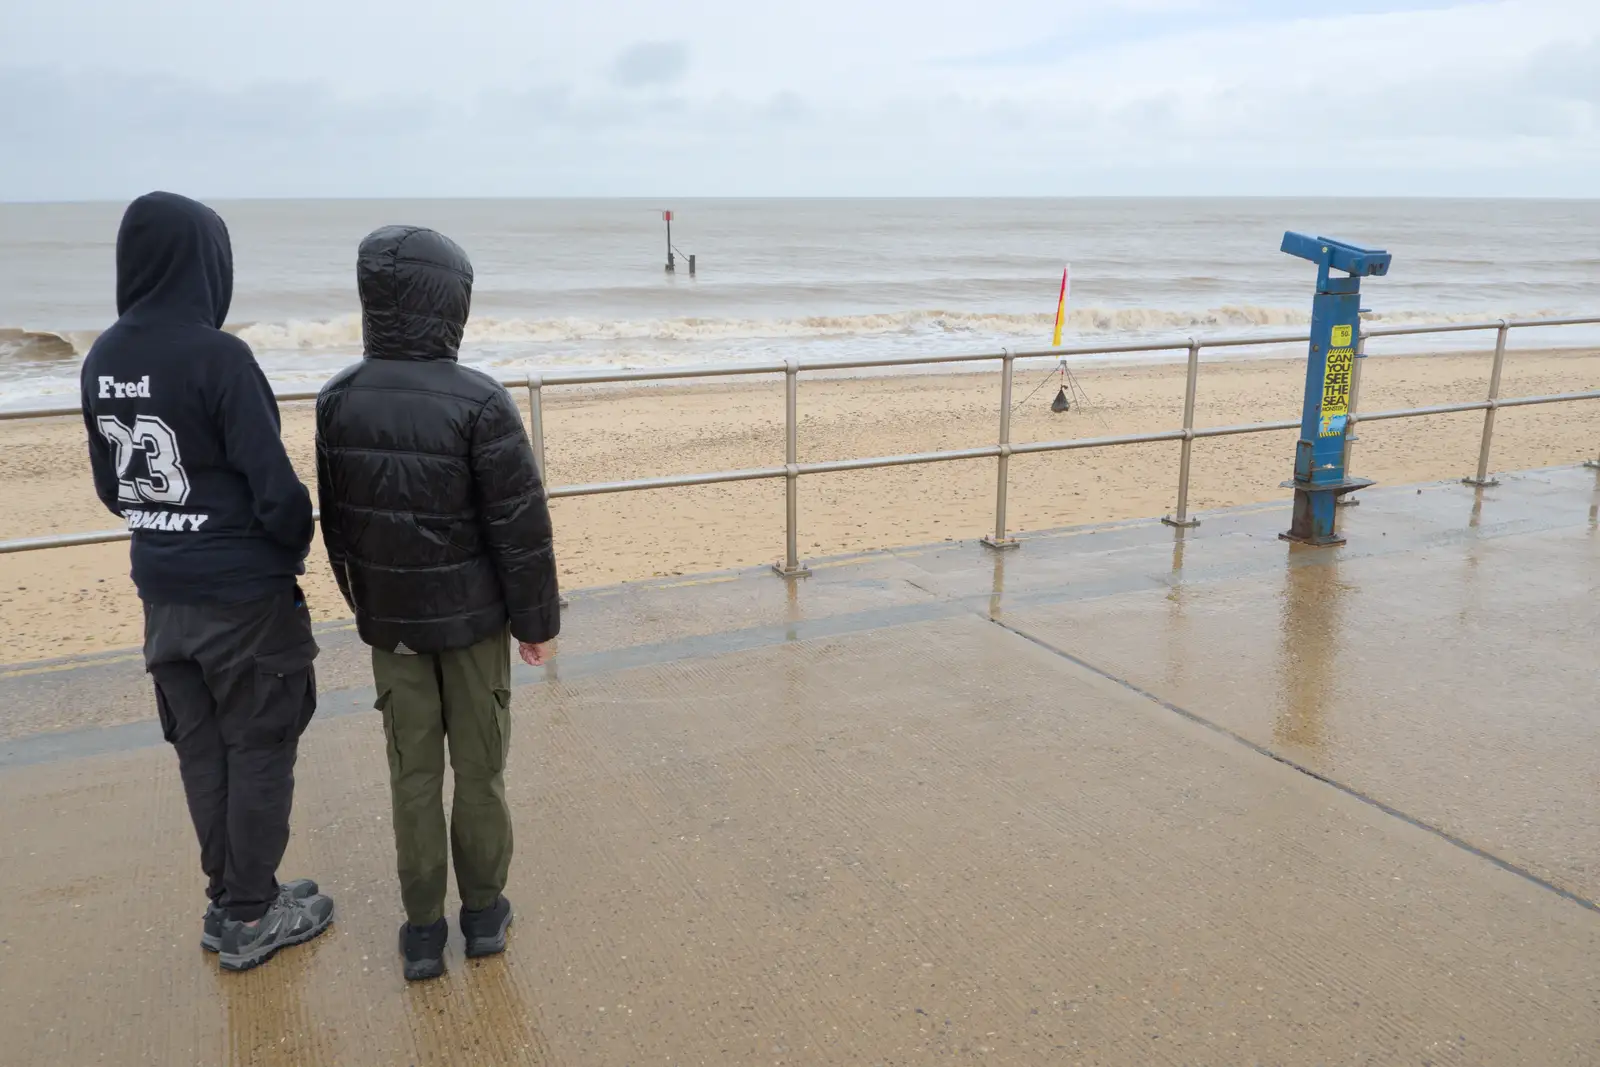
column 1061, row 308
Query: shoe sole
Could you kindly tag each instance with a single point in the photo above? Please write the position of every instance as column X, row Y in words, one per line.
column 256, row 959
column 478, row 947
column 422, row 972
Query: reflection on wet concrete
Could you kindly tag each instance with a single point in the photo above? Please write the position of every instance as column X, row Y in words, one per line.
column 998, row 591
column 1176, row 629
column 1310, row 630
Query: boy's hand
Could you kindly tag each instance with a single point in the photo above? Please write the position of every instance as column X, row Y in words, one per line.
column 535, row 654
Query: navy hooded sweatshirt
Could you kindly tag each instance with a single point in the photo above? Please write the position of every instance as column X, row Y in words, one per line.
column 183, row 429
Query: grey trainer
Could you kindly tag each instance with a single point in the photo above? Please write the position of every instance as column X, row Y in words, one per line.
column 211, row 932
column 287, row 922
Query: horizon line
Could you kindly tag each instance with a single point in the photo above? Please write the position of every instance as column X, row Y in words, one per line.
column 657, row 201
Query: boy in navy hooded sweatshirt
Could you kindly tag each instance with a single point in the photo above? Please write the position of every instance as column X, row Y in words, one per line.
column 185, row 446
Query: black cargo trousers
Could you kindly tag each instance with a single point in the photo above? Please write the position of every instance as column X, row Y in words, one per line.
column 235, row 689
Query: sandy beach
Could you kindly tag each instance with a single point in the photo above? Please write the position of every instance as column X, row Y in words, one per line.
column 71, row 601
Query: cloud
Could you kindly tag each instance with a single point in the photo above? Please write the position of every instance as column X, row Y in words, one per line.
column 651, row 63
column 787, row 106
column 1065, row 36
column 1476, row 99
column 1568, row 71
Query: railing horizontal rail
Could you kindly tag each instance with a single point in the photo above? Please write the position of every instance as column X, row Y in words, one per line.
column 1412, row 331
column 1477, row 405
column 535, row 382
column 1249, row 427
column 1471, row 327
column 1073, row 444
column 1583, row 320
column 93, row 537
column 31, row 544
column 1168, row 345
column 1417, row 413
column 672, row 481
column 910, row 459
column 15, row 414
column 1553, row 398
column 657, row 374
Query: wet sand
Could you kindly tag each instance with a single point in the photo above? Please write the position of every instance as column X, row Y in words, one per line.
column 73, row 601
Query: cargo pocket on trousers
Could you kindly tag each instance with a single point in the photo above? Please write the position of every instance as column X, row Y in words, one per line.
column 169, row 722
column 286, row 694
column 385, row 707
column 502, row 725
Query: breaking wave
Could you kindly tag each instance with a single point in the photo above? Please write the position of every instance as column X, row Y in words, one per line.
column 344, row 333
column 44, row 346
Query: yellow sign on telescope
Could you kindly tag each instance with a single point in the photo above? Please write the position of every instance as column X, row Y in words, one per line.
column 1336, row 388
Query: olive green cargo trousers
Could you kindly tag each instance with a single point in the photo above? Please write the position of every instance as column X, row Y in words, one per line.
column 463, row 695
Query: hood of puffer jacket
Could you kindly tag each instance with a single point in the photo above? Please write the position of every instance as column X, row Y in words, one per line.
column 416, row 293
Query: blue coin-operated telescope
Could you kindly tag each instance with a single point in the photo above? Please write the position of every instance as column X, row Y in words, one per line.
column 1319, row 474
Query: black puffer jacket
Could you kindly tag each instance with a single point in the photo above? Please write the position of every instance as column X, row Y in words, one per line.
column 433, row 512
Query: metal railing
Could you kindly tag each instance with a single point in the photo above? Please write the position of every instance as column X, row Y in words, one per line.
column 1001, row 451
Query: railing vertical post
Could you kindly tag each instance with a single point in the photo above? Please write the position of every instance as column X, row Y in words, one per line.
column 536, row 422
column 536, row 437
column 999, row 540
column 1482, row 480
column 1182, row 519
column 790, row 567
column 1351, row 435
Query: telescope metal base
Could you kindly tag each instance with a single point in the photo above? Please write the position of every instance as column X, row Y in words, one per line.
column 1315, row 506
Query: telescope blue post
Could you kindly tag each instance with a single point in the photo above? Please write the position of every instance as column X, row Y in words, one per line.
column 1319, row 474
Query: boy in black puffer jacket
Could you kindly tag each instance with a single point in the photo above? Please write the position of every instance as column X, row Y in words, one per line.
column 435, row 521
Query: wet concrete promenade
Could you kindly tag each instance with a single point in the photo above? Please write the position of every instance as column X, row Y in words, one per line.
column 1122, row 796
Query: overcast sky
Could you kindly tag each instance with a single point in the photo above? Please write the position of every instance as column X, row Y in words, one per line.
column 231, row 98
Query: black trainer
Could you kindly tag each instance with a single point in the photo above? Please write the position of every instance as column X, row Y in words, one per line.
column 485, row 930
column 422, row 948
column 287, row 922
column 211, row 932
